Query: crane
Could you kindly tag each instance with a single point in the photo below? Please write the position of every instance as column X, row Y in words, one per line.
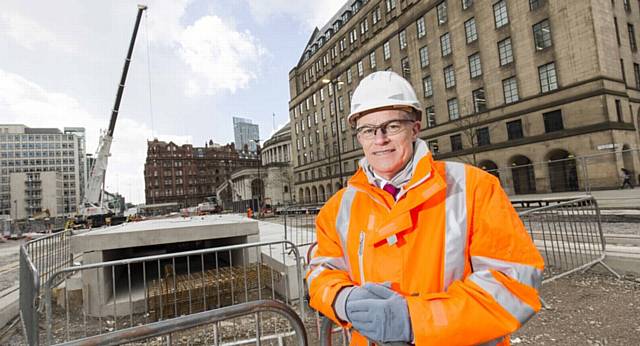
column 92, row 209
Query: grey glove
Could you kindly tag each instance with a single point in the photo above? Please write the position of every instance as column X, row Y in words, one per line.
column 348, row 295
column 382, row 320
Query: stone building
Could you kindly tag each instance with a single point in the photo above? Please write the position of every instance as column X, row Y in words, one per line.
column 36, row 192
column 544, row 93
column 31, row 150
column 271, row 183
column 188, row 175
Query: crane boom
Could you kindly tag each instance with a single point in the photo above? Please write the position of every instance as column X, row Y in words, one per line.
column 92, row 200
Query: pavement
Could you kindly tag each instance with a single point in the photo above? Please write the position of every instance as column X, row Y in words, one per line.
column 624, row 199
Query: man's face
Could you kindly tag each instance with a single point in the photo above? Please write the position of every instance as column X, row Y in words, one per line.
column 387, row 153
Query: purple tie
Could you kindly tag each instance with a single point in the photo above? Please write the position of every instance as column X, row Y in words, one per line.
column 392, row 190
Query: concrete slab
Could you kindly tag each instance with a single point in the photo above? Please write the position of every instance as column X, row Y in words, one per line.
column 9, row 305
column 164, row 231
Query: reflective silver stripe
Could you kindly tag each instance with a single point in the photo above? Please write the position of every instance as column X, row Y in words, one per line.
column 343, row 220
column 455, row 223
column 520, row 310
column 314, row 274
column 493, row 342
column 329, row 262
column 526, row 274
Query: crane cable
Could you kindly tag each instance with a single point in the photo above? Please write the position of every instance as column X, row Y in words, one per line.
column 146, row 23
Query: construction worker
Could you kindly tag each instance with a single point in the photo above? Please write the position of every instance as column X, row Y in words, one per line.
column 250, row 213
column 415, row 250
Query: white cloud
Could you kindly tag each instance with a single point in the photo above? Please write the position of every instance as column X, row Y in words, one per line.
column 25, row 102
column 28, row 33
column 221, row 57
column 309, row 13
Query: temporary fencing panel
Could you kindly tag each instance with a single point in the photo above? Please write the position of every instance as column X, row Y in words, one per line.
column 50, row 254
column 29, row 288
column 568, row 234
column 120, row 294
column 300, row 224
column 263, row 314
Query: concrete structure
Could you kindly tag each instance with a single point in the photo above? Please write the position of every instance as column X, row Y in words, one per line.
column 30, row 150
column 33, row 193
column 186, row 174
column 246, row 134
column 504, row 84
column 149, row 238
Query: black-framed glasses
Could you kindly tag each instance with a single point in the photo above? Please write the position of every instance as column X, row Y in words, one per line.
column 388, row 128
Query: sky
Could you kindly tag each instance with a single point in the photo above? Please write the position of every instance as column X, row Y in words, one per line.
column 196, row 64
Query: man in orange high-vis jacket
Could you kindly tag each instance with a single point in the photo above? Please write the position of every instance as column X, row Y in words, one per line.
column 415, row 250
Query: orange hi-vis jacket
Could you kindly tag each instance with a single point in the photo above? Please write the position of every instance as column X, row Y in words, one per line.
column 451, row 244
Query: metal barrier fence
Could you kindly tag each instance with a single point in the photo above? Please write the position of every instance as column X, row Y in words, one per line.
column 49, row 254
column 184, row 323
column 29, row 288
column 564, row 172
column 114, row 295
column 300, row 223
column 569, row 235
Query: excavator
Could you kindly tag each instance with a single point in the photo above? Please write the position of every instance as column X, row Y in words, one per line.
column 94, row 212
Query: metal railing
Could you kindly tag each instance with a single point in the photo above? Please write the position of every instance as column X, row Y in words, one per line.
column 50, row 254
column 300, row 223
column 29, row 288
column 115, row 295
column 569, row 235
column 180, row 324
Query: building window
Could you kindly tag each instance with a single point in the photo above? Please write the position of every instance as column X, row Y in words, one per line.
column 402, row 36
column 349, row 76
column 364, row 26
column 452, row 105
column 510, row 90
column 514, row 129
column 619, row 110
column 615, row 24
column 442, row 12
column 428, row 86
column 632, row 37
column 636, row 73
column 449, row 77
column 542, row 34
column 445, row 44
column 553, row 121
column 433, row 146
column 431, row 117
column 406, row 69
column 386, row 49
column 505, row 52
column 479, row 100
column 420, row 27
column 372, row 60
column 548, row 78
column 470, row 30
column 466, row 4
column 424, row 57
column 624, row 75
column 391, row 4
column 475, row 68
column 500, row 13
column 482, row 136
column 456, row 142
column 627, row 5
column 353, row 36
column 360, row 69
column 535, row 4
column 375, row 15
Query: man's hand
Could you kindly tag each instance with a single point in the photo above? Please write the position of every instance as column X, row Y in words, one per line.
column 350, row 295
column 384, row 318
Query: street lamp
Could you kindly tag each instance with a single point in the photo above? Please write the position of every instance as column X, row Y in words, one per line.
column 259, row 185
column 333, row 83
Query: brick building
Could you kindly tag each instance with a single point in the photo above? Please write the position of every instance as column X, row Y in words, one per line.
column 525, row 88
column 187, row 175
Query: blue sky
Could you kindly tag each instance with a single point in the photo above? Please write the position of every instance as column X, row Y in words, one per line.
column 196, row 64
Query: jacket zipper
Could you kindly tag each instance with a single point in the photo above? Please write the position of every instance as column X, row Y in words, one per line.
column 361, row 257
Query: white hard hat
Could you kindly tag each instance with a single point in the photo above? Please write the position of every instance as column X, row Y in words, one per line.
column 384, row 89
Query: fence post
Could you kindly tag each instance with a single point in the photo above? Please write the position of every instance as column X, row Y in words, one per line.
column 585, row 166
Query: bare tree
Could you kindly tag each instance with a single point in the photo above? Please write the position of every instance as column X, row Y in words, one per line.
column 468, row 125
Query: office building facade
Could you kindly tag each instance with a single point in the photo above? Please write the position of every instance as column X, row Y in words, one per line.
column 32, row 150
column 246, row 134
column 504, row 85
